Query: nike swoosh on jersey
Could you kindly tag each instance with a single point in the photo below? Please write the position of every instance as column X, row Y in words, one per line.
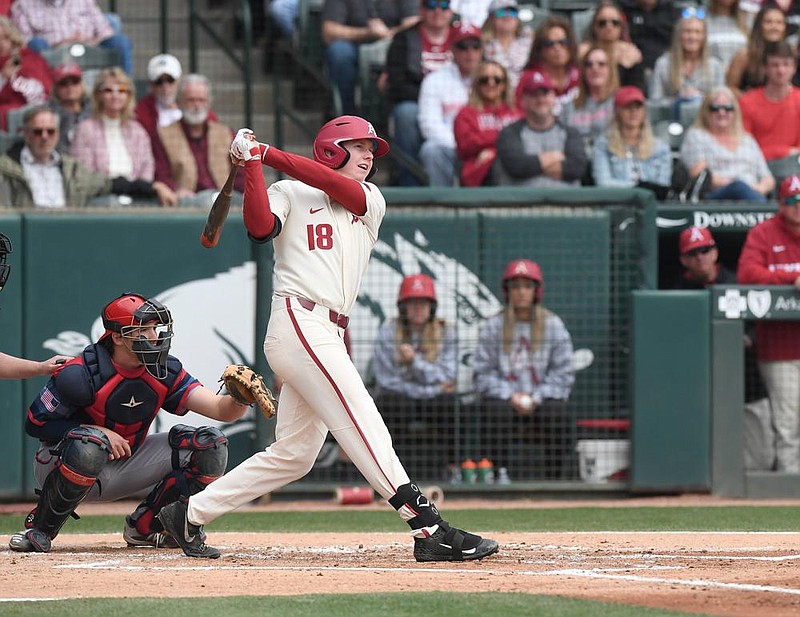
column 314, row 210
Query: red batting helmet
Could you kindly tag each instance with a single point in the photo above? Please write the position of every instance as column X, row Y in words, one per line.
column 131, row 311
column 524, row 268
column 327, row 145
column 416, row 286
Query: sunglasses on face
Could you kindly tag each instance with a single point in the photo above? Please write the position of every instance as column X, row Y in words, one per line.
column 693, row 12
column 115, row 90
column 718, row 108
column 436, row 4
column 166, row 79
column 70, row 81
column 602, row 23
column 509, row 12
column 469, row 44
column 553, row 42
column 589, row 64
column 42, row 131
column 490, row 79
column 703, row 250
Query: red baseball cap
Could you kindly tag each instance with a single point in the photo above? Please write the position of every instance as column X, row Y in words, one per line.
column 789, row 190
column 534, row 81
column 62, row 71
column 464, row 32
column 695, row 238
column 627, row 95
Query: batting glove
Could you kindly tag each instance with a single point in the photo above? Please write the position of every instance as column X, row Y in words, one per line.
column 245, row 147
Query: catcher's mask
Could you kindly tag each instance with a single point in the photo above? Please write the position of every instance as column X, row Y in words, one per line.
column 127, row 315
column 5, row 269
column 524, row 268
column 416, row 286
column 328, row 148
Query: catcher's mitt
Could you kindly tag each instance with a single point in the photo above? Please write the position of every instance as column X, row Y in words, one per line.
column 247, row 387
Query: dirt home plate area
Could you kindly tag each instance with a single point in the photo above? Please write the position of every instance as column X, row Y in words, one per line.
column 728, row 573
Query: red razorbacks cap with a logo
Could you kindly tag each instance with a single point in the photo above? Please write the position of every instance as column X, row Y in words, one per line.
column 464, row 32
column 534, row 81
column 695, row 238
column 416, row 286
column 789, row 190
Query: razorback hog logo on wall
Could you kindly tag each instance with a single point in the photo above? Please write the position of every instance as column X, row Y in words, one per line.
column 207, row 340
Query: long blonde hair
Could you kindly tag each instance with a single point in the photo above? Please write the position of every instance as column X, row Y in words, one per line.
column 613, row 77
column 676, row 55
column 538, row 316
column 616, row 144
column 431, row 337
column 122, row 79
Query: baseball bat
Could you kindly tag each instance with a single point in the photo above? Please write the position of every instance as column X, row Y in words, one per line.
column 219, row 212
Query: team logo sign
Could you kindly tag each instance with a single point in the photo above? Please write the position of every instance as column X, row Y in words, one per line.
column 759, row 302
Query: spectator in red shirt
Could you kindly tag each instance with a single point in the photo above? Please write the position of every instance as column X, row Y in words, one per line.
column 770, row 114
column 771, row 256
column 476, row 126
column 24, row 75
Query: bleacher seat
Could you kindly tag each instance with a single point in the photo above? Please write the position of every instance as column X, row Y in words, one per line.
column 14, row 119
column 581, row 20
column 371, row 63
column 532, row 15
column 84, row 56
column 6, row 141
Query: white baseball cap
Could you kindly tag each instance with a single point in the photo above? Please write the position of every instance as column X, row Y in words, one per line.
column 163, row 64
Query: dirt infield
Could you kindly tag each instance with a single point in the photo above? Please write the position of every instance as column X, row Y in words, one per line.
column 741, row 574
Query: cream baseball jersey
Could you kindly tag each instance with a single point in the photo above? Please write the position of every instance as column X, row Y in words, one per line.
column 323, row 249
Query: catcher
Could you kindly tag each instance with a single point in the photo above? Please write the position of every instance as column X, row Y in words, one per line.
column 92, row 419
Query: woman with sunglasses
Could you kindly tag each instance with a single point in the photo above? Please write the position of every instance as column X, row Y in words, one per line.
column 628, row 154
column 718, row 143
column 609, row 30
column 746, row 70
column 112, row 143
column 554, row 53
column 506, row 39
column 488, row 109
column 727, row 29
column 685, row 73
column 24, row 75
column 593, row 108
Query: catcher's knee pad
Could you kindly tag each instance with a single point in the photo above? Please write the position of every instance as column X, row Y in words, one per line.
column 209, row 448
column 82, row 454
column 209, row 457
column 415, row 509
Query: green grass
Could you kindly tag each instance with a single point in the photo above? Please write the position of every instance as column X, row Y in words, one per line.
column 367, row 605
column 718, row 518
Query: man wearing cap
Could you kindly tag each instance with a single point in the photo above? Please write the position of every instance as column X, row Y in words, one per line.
column 69, row 101
column 771, row 256
column 699, row 256
column 414, row 53
column 441, row 96
column 538, row 150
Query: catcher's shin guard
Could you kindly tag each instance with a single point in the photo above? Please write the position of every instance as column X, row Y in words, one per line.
column 82, row 454
column 208, row 460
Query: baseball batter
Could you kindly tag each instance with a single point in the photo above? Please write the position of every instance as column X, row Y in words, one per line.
column 323, row 225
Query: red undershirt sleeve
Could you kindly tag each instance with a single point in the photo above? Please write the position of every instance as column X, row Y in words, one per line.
column 346, row 191
column 258, row 218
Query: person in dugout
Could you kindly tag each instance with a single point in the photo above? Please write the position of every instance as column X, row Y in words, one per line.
column 92, row 419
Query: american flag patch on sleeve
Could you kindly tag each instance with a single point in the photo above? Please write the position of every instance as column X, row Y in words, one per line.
column 49, row 401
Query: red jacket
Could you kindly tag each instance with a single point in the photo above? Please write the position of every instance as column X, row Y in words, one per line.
column 29, row 85
column 775, row 125
column 771, row 256
column 476, row 131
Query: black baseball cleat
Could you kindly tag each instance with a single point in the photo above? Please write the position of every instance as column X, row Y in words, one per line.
column 30, row 541
column 156, row 539
column 189, row 537
column 451, row 544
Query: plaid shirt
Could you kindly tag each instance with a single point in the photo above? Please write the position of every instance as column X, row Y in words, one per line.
column 57, row 20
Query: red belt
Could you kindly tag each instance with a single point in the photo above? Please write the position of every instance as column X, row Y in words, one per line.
column 337, row 318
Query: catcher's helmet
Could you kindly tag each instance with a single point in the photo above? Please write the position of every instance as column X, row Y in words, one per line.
column 327, row 145
column 524, row 268
column 131, row 311
column 5, row 269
